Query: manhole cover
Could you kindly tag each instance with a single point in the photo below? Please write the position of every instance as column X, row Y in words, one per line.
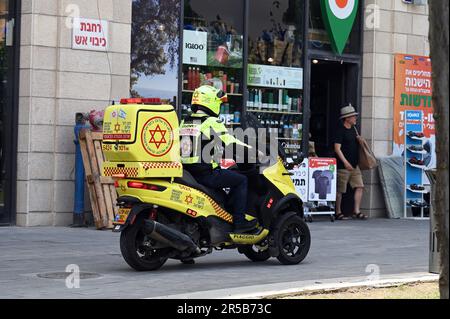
column 64, row 275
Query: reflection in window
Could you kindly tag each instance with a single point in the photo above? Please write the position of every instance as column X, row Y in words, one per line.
column 154, row 48
column 222, row 26
column 213, row 52
column 276, row 32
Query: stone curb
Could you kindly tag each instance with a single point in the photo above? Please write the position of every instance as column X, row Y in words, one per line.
column 272, row 291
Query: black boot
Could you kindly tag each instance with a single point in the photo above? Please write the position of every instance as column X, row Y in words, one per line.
column 245, row 226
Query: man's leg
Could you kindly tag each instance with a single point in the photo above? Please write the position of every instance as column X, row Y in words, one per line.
column 338, row 203
column 357, row 183
column 358, row 198
column 238, row 185
column 342, row 181
column 238, row 194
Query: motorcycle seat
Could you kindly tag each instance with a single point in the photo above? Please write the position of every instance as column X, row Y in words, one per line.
column 187, row 179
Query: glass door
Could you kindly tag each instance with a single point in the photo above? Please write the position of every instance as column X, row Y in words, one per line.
column 7, row 88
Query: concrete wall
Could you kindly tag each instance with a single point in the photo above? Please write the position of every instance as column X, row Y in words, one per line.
column 55, row 83
column 403, row 29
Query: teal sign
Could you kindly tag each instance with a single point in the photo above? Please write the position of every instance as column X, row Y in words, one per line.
column 339, row 17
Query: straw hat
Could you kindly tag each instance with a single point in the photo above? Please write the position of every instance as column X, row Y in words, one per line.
column 348, row 111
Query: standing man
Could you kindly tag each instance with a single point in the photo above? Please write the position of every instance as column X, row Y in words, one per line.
column 346, row 147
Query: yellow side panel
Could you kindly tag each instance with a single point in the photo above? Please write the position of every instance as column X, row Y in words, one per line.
column 178, row 197
column 141, row 133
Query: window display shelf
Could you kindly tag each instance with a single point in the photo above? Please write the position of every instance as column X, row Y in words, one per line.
column 412, row 136
column 418, row 152
column 289, row 139
column 417, row 138
column 418, row 205
column 417, row 166
column 274, row 112
column 417, row 191
column 229, row 94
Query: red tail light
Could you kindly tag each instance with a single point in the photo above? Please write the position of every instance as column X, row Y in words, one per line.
column 150, row 187
column 136, row 185
column 116, row 184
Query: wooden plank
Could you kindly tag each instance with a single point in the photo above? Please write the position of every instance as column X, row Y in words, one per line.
column 96, row 174
column 114, row 197
column 97, row 136
column 106, row 190
column 106, row 180
column 91, row 187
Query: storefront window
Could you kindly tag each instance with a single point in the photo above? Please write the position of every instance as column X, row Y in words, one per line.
column 213, row 52
column 155, row 48
column 275, row 69
column 318, row 38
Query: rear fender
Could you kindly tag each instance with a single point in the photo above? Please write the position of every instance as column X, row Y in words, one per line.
column 137, row 207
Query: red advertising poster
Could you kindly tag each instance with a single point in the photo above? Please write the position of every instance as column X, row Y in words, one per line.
column 413, row 92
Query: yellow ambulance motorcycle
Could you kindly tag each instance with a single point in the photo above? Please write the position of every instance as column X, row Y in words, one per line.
column 164, row 213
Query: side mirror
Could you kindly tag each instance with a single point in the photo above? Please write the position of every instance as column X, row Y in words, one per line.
column 298, row 158
column 301, row 157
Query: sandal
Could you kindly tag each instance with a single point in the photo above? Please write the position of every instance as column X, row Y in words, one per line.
column 359, row 216
column 341, row 217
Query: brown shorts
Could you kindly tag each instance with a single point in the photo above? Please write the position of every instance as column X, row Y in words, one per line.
column 345, row 176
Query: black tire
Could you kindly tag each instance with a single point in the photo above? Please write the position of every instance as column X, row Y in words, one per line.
column 137, row 256
column 293, row 238
column 254, row 254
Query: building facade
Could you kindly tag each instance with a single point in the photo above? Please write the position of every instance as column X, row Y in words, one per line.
column 49, row 79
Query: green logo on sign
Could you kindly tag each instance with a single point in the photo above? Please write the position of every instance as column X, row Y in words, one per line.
column 339, row 17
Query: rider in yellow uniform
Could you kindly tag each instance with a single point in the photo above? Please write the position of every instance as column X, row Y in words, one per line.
column 202, row 134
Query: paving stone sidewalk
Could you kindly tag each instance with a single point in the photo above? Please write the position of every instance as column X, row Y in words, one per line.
column 341, row 249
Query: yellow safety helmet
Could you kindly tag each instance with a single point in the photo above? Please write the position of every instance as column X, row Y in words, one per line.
column 209, row 99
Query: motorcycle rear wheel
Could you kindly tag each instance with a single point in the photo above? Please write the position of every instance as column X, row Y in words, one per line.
column 254, row 254
column 138, row 256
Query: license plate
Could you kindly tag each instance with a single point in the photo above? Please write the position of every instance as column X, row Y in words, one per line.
column 121, row 216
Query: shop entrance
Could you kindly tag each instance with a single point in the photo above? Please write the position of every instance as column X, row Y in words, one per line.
column 333, row 85
column 8, row 96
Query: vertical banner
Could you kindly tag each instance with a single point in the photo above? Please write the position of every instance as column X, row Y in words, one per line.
column 300, row 179
column 413, row 91
column 415, row 164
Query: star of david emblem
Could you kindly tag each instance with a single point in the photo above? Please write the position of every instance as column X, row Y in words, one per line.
column 189, row 199
column 117, row 127
column 162, row 139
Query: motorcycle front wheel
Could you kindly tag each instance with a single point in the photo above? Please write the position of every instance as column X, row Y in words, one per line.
column 293, row 238
column 136, row 249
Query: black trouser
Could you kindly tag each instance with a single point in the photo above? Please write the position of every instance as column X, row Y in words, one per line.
column 222, row 178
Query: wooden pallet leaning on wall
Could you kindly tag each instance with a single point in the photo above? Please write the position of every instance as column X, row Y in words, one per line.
column 102, row 192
